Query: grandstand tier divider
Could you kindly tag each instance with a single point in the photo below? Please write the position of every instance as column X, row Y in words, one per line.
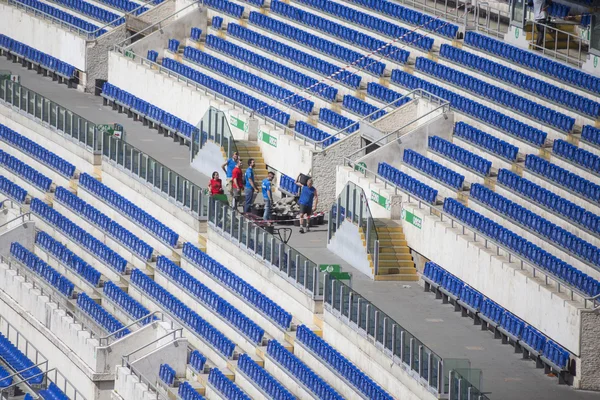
column 471, row 176
column 497, row 161
column 444, row 189
column 26, row 184
column 570, row 166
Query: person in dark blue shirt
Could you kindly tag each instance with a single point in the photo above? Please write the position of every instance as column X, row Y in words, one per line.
column 228, row 169
column 267, row 195
column 308, row 203
column 250, row 187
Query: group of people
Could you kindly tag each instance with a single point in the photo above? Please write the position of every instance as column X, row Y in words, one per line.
column 238, row 183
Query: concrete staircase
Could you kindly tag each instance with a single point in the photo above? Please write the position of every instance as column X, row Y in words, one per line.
column 248, row 150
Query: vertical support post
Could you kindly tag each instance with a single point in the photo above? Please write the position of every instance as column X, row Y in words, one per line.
column 376, row 258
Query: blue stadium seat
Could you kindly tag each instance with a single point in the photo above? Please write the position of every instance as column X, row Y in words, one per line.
column 314, row 133
column 386, row 95
column 408, row 183
column 12, row 190
column 288, row 184
column 187, row 392
column 581, row 157
column 337, row 121
column 225, row 6
column 456, row 153
column 226, row 386
column 53, row 392
column 590, row 134
column 19, row 168
column 18, row 361
column 166, row 374
column 489, row 142
column 198, row 361
column 134, row 309
column 433, row 169
column 263, row 379
column 5, row 379
column 102, row 317
column 362, row 108
column 36, row 56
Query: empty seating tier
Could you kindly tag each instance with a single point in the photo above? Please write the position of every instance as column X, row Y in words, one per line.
column 5, row 378
column 408, row 183
column 386, row 95
column 101, row 316
column 315, row 134
column 37, row 56
column 19, row 168
column 262, row 378
column 187, row 392
column 576, row 155
column 337, row 121
column 19, row 362
column 225, row 385
column 486, row 141
column 134, row 309
column 460, row 155
column 433, row 169
column 95, row 12
column 591, row 134
column 65, row 17
column 198, row 361
column 53, row 392
column 362, row 108
column 166, row 374
column 12, row 190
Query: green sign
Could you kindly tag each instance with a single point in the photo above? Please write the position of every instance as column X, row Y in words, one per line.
column 360, row 167
column 341, row 276
column 130, row 54
column 115, row 130
column 330, row 268
column 9, row 76
column 412, row 218
column 268, row 139
column 516, row 33
column 379, row 199
column 595, row 61
column 238, row 123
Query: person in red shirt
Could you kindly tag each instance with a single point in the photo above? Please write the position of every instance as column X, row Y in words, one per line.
column 237, row 183
column 215, row 186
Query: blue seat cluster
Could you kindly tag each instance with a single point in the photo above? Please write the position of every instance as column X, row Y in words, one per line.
column 64, row 16
column 53, row 392
column 79, row 236
column 99, row 219
column 234, row 94
column 314, row 133
column 187, row 392
column 562, row 177
column 541, row 226
column 306, row 60
column 301, row 372
column 19, row 362
column 579, row 156
column 43, row 270
column 211, row 300
column 536, row 62
column 489, row 142
column 315, row 42
column 558, row 10
column 195, row 34
column 264, row 86
column 521, row 80
column 166, row 374
column 68, row 258
column 330, row 356
column 12, row 190
column 411, row 16
column 173, row 45
column 217, row 22
column 434, row 169
column 198, row 361
column 152, row 56
column 5, row 378
column 226, row 6
column 362, row 107
column 128, row 6
column 288, row 184
column 586, row 20
column 36, row 151
column 31, row 175
column 494, row 312
column 36, row 56
column 135, row 213
column 458, row 154
column 265, row 64
column 545, row 198
column 523, row 247
column 134, row 309
column 408, row 183
column 263, row 379
column 590, row 134
column 255, row 297
column 102, row 317
column 148, row 110
column 93, row 11
column 495, row 94
column 368, row 21
column 337, row 121
column 474, row 109
column 226, row 386
column 190, row 318
column 386, row 95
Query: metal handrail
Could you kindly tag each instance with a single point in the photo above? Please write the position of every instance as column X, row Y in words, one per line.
column 22, row 216
column 556, row 54
column 107, row 337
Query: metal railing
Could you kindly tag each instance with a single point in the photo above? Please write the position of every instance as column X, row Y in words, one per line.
column 574, row 44
column 50, row 114
column 491, row 21
column 21, row 217
column 256, row 239
column 214, row 126
column 106, row 340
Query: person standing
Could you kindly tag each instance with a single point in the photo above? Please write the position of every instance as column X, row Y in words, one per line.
column 250, row 186
column 237, row 184
column 308, row 203
column 215, row 186
column 540, row 15
column 228, row 168
column 267, row 195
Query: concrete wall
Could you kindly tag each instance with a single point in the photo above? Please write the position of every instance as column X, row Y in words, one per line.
column 348, row 244
column 22, row 233
column 589, row 379
column 209, row 159
column 286, row 154
column 172, row 352
column 96, row 62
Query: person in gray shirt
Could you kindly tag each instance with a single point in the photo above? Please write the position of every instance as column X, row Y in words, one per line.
column 540, row 15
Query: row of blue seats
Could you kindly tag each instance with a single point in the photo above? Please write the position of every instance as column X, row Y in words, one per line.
column 211, row 300
column 545, row 198
column 152, row 56
column 577, row 155
column 523, row 248
column 264, row 86
column 79, row 236
column 408, row 183
column 128, row 6
column 12, row 190
column 237, row 95
column 337, row 121
column 37, row 151
column 225, row 386
column 366, row 20
column 590, row 134
column 102, row 317
column 148, row 110
column 489, row 142
column 195, row 33
column 386, row 95
column 315, row 42
column 434, row 169
column 252, row 295
column 456, row 153
column 301, row 372
column 491, row 310
column 562, row 177
column 53, row 392
column 288, row 184
column 95, row 12
column 135, row 213
column 558, row 10
column 536, row 62
column 187, row 392
column 362, row 107
column 304, row 59
column 226, row 6
column 127, row 303
column 39, row 57
column 68, row 258
column 31, row 175
column 19, row 362
column 413, row 17
column 314, row 133
column 472, row 108
column 173, row 45
column 5, row 378
column 331, row 357
column 495, row 94
column 190, row 318
column 64, row 16
column 265, row 64
column 43, row 270
column 102, row 221
column 263, row 379
column 524, row 81
column 530, row 220
column 198, row 361
column 166, row 374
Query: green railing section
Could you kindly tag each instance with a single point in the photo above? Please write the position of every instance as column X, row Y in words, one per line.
column 214, row 126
